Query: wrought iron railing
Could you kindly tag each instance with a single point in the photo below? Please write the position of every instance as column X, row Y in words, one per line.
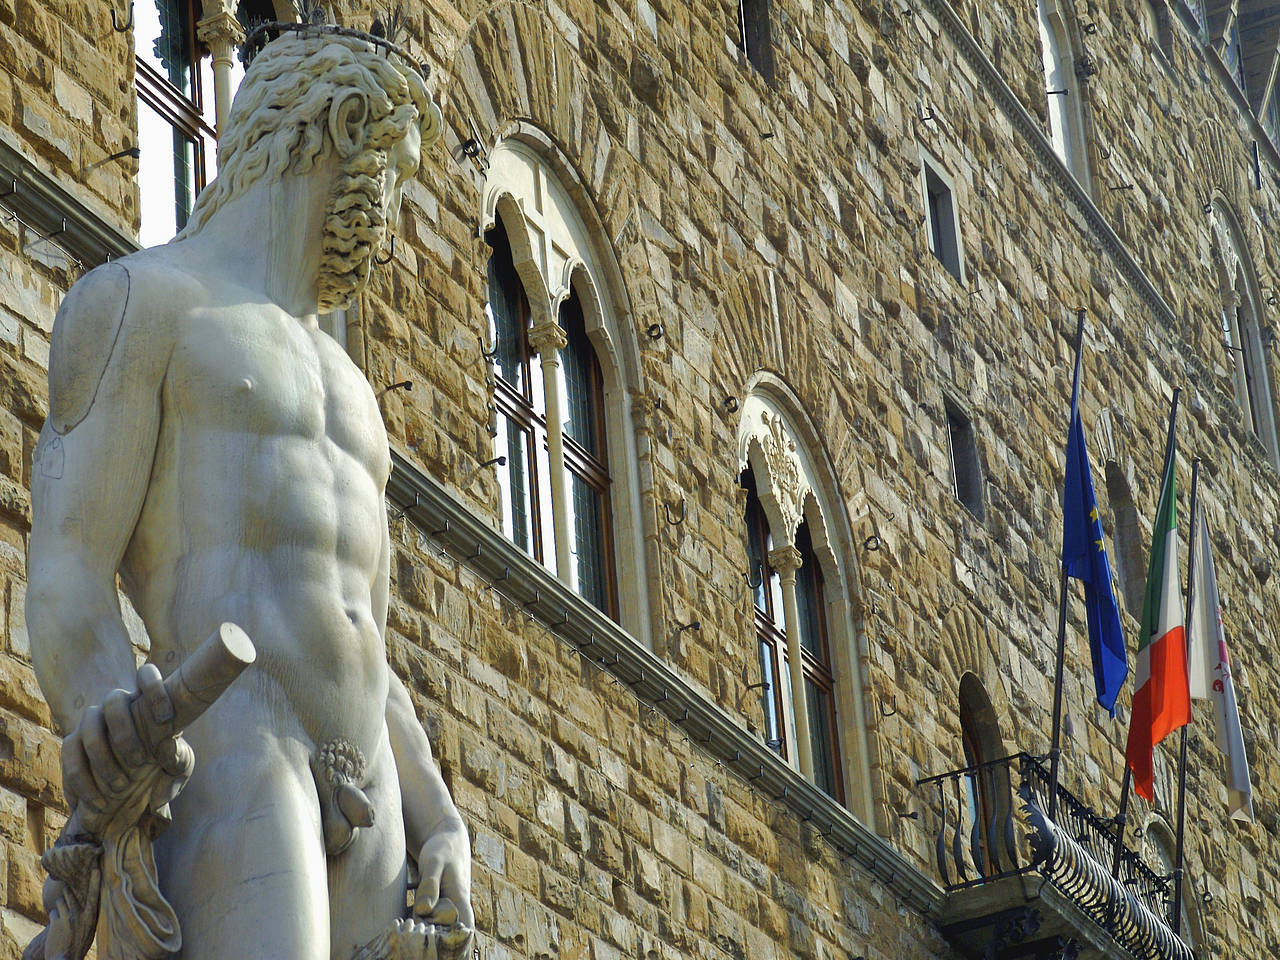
column 993, row 823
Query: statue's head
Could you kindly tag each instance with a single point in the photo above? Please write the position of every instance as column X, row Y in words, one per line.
column 309, row 98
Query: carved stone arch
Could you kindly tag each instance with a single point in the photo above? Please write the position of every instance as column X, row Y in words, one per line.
column 514, row 76
column 503, row 205
column 746, row 338
column 969, row 645
column 1220, row 170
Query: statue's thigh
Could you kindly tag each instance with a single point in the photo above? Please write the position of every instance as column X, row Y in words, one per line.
column 367, row 880
column 243, row 863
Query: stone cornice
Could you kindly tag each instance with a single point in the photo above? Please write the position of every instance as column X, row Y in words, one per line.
column 1029, row 128
column 488, row 554
column 52, row 209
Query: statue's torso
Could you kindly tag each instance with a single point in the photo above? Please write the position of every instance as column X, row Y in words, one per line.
column 265, row 507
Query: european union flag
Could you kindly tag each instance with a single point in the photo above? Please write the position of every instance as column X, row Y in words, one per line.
column 1085, row 558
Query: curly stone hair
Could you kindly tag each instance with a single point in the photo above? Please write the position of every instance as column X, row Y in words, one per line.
column 279, row 120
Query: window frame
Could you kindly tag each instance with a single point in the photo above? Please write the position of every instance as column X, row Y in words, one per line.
column 942, row 217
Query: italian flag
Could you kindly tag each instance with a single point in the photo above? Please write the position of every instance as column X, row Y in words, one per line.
column 1162, row 697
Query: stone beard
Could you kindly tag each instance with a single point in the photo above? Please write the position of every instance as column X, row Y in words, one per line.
column 354, row 228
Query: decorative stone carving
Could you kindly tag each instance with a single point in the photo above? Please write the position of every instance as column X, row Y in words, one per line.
column 211, row 446
column 786, row 476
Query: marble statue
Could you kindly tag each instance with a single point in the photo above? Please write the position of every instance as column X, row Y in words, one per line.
column 216, row 451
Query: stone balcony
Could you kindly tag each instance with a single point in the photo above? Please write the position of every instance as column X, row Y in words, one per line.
column 1032, row 876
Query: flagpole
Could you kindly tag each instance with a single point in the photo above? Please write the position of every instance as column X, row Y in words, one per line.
column 1055, row 740
column 1122, row 818
column 1182, row 734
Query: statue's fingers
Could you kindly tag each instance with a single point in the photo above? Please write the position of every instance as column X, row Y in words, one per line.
column 428, row 892
column 176, row 758
column 444, row 913
column 125, row 741
column 157, row 706
column 78, row 784
column 106, row 770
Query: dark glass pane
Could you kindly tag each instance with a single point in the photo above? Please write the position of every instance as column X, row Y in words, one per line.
column 506, row 300
column 514, row 482
column 769, row 697
column 757, row 530
column 809, row 598
column 162, row 38
column 588, row 543
column 821, row 738
column 581, row 375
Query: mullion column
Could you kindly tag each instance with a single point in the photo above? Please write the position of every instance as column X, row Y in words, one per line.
column 548, row 339
column 786, row 561
column 222, row 32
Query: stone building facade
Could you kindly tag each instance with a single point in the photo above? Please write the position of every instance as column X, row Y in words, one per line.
column 806, row 268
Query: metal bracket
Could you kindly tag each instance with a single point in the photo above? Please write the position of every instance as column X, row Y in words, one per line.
column 119, row 27
column 391, row 253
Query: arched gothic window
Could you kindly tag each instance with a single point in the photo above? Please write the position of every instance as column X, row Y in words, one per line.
column 810, row 692
column 1063, row 90
column 560, row 417
column 1240, row 315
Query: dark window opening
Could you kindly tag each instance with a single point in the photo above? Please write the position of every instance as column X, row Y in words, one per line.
column 521, row 429
column 755, row 36
column 771, row 639
column 966, row 468
column 585, row 458
column 943, row 239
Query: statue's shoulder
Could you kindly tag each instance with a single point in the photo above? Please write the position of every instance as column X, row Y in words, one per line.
column 119, row 312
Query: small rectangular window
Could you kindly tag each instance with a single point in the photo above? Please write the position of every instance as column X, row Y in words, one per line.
column 966, row 468
column 944, row 230
column 755, row 37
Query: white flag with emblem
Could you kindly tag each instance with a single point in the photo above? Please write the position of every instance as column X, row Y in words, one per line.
column 1210, row 669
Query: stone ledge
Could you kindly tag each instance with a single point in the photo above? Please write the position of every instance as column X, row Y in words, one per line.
column 470, row 541
column 44, row 203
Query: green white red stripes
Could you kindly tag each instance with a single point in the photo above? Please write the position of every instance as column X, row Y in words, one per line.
column 1161, row 698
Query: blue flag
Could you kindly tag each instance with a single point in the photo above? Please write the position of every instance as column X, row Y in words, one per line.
column 1085, row 558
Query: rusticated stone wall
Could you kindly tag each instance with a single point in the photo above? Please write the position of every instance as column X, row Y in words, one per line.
column 772, row 229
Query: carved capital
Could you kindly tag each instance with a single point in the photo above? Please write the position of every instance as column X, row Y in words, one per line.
column 221, row 31
column 547, row 337
column 786, row 561
column 787, row 483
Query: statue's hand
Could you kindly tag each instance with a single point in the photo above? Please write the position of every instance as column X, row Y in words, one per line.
column 444, row 867
column 119, row 744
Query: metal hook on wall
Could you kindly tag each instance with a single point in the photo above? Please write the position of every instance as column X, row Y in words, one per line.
column 655, row 331
column 491, row 353
column 391, row 253
column 759, row 577
column 893, row 708
column 674, row 521
column 401, row 515
column 119, row 27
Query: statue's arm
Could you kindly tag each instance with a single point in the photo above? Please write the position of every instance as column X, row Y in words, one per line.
column 434, row 831
column 89, row 479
